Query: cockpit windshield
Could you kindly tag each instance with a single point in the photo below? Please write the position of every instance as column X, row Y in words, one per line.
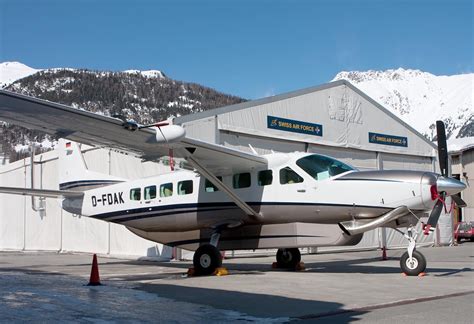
column 321, row 167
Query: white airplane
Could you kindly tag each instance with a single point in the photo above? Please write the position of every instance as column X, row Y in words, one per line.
column 231, row 200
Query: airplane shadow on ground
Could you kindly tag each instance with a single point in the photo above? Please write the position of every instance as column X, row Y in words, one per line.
column 255, row 305
column 362, row 266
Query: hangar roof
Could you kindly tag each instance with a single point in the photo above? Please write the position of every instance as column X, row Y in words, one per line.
column 292, row 94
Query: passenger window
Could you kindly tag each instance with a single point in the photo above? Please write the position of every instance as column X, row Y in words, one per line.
column 241, row 180
column 150, row 192
column 135, row 194
column 166, row 190
column 209, row 187
column 288, row 176
column 185, row 187
column 265, row 178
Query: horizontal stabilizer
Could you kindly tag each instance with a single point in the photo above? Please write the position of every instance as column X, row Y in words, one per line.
column 41, row 192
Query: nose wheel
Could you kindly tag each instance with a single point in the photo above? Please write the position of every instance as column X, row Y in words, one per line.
column 412, row 262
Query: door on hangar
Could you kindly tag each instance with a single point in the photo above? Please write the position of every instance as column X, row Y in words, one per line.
column 405, row 162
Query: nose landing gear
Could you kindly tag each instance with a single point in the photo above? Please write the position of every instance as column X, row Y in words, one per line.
column 412, row 262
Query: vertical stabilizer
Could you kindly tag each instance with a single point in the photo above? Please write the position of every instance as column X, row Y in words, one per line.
column 73, row 172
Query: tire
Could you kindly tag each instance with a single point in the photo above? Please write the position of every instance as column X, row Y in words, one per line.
column 207, row 259
column 288, row 258
column 413, row 268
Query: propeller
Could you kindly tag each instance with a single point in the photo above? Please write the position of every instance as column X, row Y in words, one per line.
column 445, row 186
column 442, row 148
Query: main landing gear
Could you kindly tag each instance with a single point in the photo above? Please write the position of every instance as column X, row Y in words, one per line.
column 412, row 262
column 207, row 258
column 288, row 258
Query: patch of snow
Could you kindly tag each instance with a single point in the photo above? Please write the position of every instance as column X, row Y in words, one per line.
column 13, row 71
column 460, row 144
column 419, row 98
column 149, row 73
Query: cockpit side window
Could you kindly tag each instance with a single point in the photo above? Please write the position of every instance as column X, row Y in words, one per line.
column 321, row 167
column 288, row 176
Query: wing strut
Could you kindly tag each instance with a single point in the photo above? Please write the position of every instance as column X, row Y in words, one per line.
column 216, row 182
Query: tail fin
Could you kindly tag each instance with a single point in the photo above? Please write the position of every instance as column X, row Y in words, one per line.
column 73, row 173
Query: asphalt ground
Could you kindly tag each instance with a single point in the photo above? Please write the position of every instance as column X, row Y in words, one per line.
column 336, row 288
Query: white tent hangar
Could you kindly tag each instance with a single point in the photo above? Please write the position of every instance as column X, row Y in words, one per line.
column 335, row 119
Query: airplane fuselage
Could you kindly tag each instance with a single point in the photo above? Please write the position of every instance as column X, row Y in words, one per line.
column 283, row 193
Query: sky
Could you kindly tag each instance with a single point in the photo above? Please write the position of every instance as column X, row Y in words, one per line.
column 248, row 48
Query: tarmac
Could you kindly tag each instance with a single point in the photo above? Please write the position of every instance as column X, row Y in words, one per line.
column 336, row 288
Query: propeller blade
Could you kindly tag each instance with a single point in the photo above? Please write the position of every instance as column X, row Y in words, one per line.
column 435, row 213
column 442, row 147
column 461, row 203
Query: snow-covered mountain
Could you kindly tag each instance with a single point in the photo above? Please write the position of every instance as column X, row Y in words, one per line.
column 12, row 71
column 144, row 96
column 420, row 98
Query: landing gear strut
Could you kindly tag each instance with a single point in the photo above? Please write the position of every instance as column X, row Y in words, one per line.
column 207, row 258
column 288, row 258
column 412, row 262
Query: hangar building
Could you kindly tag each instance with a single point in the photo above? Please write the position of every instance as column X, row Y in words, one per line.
column 335, row 119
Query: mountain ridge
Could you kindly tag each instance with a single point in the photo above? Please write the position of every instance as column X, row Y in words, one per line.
column 148, row 96
column 420, row 98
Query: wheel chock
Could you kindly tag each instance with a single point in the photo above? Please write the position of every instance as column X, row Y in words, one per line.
column 422, row 274
column 404, row 274
column 300, row 266
column 221, row 272
column 218, row 272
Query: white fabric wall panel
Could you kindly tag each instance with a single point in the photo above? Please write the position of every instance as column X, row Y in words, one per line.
column 97, row 160
column 261, row 145
column 123, row 242
column 43, row 229
column 203, row 129
column 12, row 208
column 406, row 162
column 364, row 160
column 83, row 234
column 130, row 167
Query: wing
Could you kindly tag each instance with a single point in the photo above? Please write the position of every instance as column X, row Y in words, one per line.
column 42, row 192
column 94, row 129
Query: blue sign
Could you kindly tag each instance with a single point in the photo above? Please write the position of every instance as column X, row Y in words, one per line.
column 294, row 126
column 385, row 139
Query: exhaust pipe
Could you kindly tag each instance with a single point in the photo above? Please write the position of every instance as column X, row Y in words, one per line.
column 357, row 226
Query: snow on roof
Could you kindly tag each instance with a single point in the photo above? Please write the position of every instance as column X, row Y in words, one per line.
column 456, row 145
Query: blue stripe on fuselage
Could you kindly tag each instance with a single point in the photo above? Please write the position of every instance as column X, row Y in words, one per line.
column 157, row 211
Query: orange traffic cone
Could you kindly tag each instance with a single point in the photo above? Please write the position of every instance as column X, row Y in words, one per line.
column 94, row 279
column 384, row 254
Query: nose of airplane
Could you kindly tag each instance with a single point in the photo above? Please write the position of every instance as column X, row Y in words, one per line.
column 449, row 185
